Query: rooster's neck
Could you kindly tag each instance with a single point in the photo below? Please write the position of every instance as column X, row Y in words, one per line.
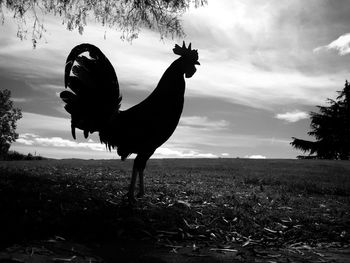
column 176, row 69
column 173, row 81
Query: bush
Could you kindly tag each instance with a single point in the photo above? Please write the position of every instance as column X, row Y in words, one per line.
column 16, row 156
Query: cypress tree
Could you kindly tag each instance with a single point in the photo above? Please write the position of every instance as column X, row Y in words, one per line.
column 331, row 129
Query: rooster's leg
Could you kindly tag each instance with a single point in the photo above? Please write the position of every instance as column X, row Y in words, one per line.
column 139, row 166
column 131, row 195
column 141, row 185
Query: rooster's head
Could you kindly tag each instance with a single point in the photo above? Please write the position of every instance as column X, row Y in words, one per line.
column 189, row 56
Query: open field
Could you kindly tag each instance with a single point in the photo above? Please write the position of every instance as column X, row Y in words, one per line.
column 207, row 210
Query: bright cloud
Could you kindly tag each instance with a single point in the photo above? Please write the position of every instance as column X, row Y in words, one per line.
column 203, row 122
column 35, row 140
column 26, row 138
column 28, row 135
column 255, row 156
column 259, row 88
column 19, row 99
column 25, row 141
column 341, row 45
column 173, row 153
column 293, row 116
column 29, row 139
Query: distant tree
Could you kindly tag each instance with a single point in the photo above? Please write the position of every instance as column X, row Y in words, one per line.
column 331, row 129
column 127, row 15
column 8, row 118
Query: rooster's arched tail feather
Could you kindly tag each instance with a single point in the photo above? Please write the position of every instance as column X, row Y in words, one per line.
column 94, row 97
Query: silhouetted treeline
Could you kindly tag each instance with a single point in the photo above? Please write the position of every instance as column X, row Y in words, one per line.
column 16, row 156
column 331, row 129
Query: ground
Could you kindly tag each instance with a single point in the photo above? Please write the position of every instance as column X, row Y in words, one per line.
column 209, row 210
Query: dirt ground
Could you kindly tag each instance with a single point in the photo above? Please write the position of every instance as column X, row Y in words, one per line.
column 143, row 252
column 73, row 211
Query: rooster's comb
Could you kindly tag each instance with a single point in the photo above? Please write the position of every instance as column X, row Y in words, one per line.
column 187, row 53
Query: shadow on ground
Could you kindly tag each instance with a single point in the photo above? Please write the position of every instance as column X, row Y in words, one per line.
column 49, row 219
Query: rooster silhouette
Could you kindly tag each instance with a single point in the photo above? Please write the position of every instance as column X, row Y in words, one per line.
column 94, row 105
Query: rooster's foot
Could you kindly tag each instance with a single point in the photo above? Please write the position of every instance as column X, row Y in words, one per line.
column 140, row 194
column 129, row 198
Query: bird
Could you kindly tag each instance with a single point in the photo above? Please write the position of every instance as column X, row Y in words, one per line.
column 93, row 100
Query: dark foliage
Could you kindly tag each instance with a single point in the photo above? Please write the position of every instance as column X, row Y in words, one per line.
column 8, row 118
column 331, row 129
column 128, row 16
column 16, row 156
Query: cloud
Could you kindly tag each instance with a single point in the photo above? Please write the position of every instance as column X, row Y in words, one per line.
column 341, row 45
column 28, row 135
column 25, row 141
column 195, row 137
column 35, row 140
column 232, row 77
column 243, row 83
column 26, row 138
column 255, row 54
column 16, row 100
column 203, row 122
column 255, row 156
column 293, row 116
column 29, row 139
column 164, row 152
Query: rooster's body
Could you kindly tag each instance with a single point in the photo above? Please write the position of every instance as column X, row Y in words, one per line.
column 94, row 105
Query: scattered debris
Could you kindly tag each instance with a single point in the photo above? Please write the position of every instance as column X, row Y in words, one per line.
column 193, row 216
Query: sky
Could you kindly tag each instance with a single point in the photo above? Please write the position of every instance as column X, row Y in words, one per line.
column 264, row 66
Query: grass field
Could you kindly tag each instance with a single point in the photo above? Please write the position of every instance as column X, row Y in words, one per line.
column 201, row 210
